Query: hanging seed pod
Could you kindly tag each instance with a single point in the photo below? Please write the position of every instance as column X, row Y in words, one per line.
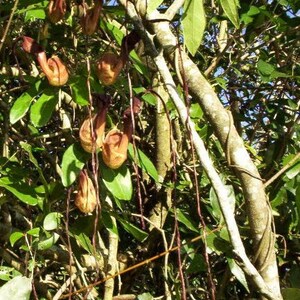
column 115, row 145
column 55, row 71
column 109, row 67
column 92, row 141
column 86, row 199
column 56, row 10
column 90, row 20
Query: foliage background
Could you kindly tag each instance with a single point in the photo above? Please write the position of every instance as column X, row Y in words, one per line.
column 255, row 73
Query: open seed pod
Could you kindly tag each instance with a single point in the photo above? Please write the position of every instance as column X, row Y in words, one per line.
column 86, row 199
column 55, row 71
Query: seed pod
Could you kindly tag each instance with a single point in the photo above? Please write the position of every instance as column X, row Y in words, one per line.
column 86, row 199
column 88, row 142
column 109, row 67
column 56, row 10
column 90, row 20
column 55, row 71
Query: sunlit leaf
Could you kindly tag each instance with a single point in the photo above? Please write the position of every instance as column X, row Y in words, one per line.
column 73, row 161
column 152, row 5
column 230, row 8
column 79, row 90
column 109, row 223
column 22, row 104
column 118, row 181
column 238, row 273
column 193, row 22
column 41, row 111
column 48, row 242
column 52, row 221
column 15, row 236
column 142, row 160
column 183, row 218
column 138, row 233
column 21, row 190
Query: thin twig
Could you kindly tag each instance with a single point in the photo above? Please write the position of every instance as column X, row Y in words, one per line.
column 284, row 169
column 8, row 24
column 138, row 265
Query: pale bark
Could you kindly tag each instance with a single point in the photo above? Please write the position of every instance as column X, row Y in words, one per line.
column 256, row 201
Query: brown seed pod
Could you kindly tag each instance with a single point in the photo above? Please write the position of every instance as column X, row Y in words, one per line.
column 90, row 20
column 109, row 67
column 114, row 152
column 115, row 145
column 89, row 142
column 86, row 199
column 55, row 71
column 56, row 10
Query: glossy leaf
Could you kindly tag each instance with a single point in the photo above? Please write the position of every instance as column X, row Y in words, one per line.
column 230, row 8
column 118, row 181
column 79, row 90
column 22, row 104
column 52, row 221
column 21, row 190
column 142, row 160
column 19, row 288
column 41, row 111
column 15, row 236
column 193, row 22
column 48, row 242
column 73, row 161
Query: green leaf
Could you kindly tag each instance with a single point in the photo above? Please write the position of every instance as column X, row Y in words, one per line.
column 139, row 234
column 41, row 110
column 22, row 104
column 35, row 14
column 48, row 242
column 19, row 288
column 34, row 231
column 142, row 160
column 193, row 22
column 79, row 90
column 15, row 236
column 21, row 190
column 109, row 223
column 84, row 241
column 28, row 149
column 238, row 273
column 152, row 5
column 73, row 161
column 182, row 218
column 118, row 181
column 230, row 8
column 52, row 221
column 265, row 68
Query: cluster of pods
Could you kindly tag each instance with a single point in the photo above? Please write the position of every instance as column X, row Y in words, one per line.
column 92, row 132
